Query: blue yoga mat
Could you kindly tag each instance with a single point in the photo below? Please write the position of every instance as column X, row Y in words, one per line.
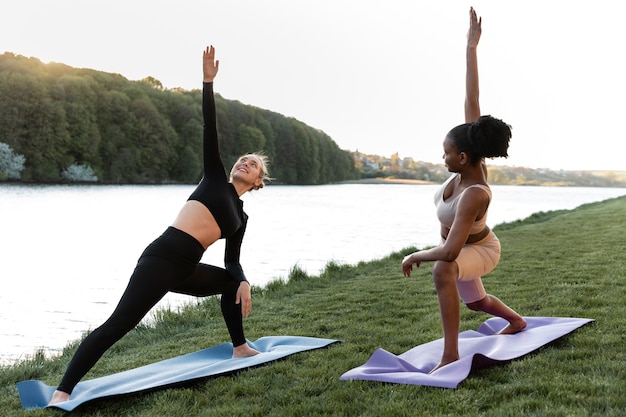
column 476, row 349
column 209, row 362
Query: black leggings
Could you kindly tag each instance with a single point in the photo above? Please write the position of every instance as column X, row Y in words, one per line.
column 170, row 263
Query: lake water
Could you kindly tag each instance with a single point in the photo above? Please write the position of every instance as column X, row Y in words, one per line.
column 67, row 251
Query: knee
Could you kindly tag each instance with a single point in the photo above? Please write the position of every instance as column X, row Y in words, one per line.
column 477, row 305
column 116, row 327
column 444, row 273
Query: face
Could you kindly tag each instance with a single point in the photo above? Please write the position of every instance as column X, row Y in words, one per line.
column 451, row 156
column 248, row 170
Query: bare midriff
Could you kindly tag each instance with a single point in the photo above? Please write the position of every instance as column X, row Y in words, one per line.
column 196, row 220
column 476, row 237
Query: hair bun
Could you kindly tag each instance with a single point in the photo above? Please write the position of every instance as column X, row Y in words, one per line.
column 490, row 137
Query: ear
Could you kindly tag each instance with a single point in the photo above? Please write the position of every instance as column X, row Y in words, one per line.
column 463, row 158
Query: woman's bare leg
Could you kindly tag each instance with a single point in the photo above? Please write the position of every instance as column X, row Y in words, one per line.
column 492, row 305
column 444, row 276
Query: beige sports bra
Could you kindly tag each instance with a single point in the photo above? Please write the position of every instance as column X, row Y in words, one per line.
column 446, row 210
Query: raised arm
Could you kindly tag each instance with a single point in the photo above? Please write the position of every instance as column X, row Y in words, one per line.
column 472, row 105
column 213, row 166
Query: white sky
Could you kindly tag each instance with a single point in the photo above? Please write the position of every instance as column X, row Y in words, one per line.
column 377, row 76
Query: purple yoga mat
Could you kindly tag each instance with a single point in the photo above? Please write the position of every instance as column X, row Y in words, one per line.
column 476, row 348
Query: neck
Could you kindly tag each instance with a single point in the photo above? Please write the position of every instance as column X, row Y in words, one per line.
column 240, row 187
column 472, row 174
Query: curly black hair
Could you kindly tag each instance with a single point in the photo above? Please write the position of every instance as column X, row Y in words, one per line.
column 487, row 137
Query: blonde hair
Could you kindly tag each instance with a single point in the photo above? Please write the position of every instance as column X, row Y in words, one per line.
column 263, row 167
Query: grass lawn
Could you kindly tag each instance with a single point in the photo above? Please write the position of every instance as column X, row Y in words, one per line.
column 564, row 264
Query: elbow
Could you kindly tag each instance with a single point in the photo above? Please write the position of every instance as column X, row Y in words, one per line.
column 449, row 255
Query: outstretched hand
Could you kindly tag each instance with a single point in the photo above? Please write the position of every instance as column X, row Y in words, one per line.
column 210, row 65
column 475, row 29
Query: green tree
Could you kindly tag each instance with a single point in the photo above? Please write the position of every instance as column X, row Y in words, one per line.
column 249, row 139
column 153, row 82
column 188, row 167
column 11, row 164
column 153, row 138
column 78, row 99
column 33, row 125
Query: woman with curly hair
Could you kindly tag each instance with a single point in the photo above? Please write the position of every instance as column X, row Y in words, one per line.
column 469, row 249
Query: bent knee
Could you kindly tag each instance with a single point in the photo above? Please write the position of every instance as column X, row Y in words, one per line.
column 476, row 305
column 445, row 274
column 445, row 268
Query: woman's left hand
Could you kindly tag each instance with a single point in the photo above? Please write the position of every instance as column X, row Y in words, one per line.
column 244, row 298
column 210, row 65
column 475, row 29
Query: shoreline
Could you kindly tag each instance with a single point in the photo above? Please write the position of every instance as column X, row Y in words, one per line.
column 387, row 181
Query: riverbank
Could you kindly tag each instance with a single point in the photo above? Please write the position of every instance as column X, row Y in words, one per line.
column 371, row 305
column 387, row 181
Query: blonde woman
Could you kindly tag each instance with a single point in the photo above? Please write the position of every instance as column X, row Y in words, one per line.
column 172, row 262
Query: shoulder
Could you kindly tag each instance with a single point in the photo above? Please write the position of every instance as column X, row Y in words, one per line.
column 483, row 187
column 475, row 195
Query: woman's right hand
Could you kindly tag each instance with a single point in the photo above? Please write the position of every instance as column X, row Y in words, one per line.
column 407, row 264
column 210, row 65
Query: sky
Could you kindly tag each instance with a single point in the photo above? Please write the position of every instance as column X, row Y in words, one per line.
column 381, row 77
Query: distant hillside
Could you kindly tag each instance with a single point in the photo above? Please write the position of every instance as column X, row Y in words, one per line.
column 59, row 123
column 394, row 167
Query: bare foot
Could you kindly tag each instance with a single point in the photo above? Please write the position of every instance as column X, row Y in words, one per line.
column 443, row 363
column 244, row 351
column 59, row 397
column 514, row 326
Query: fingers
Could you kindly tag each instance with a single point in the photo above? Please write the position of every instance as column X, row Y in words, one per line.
column 243, row 297
column 246, row 307
column 474, row 31
column 209, row 54
column 475, row 21
column 407, row 268
column 210, row 65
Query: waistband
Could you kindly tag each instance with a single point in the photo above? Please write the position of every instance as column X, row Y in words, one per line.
column 176, row 245
column 490, row 236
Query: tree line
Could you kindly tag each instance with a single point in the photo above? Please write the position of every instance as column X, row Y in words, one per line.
column 62, row 124
column 59, row 123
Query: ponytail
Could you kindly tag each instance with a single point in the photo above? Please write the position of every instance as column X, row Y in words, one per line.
column 487, row 137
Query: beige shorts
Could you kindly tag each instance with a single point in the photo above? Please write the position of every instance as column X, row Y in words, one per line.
column 474, row 261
